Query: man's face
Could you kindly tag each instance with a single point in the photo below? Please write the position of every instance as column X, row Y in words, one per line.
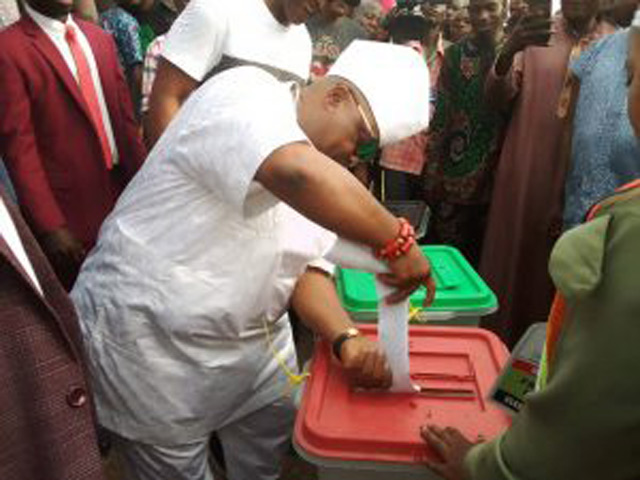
column 486, row 16
column 459, row 25
column 52, row 8
column 579, row 10
column 298, row 12
column 434, row 14
column 518, row 8
column 344, row 123
column 370, row 19
column 539, row 8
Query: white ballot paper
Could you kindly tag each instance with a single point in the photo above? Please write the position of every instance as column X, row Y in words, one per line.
column 393, row 320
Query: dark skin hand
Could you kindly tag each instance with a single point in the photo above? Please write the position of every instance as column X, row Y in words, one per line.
column 532, row 31
column 63, row 247
column 365, row 364
column 65, row 253
column 452, row 447
column 401, row 279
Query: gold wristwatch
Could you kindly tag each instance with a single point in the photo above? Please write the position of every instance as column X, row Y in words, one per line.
column 336, row 345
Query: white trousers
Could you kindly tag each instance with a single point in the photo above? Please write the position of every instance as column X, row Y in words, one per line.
column 253, row 446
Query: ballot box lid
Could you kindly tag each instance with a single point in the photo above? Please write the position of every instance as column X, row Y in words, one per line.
column 456, row 368
column 459, row 288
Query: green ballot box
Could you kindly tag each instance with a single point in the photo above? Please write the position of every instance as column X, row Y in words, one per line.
column 462, row 297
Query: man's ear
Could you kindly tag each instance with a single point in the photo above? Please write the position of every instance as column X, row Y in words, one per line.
column 336, row 96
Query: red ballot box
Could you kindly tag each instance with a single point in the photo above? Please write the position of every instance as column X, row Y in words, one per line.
column 358, row 435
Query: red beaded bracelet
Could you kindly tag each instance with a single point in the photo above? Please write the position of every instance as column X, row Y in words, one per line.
column 400, row 245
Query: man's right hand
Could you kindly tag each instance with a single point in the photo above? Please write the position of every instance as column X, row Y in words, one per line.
column 532, row 31
column 408, row 273
column 63, row 249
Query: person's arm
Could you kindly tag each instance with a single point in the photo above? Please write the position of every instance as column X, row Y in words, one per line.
column 326, row 193
column 194, row 45
column 504, row 79
column 316, row 302
column 170, row 90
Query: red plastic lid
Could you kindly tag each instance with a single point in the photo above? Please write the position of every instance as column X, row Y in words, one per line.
column 457, row 365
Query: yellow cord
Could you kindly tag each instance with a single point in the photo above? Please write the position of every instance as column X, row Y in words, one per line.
column 294, row 380
column 413, row 313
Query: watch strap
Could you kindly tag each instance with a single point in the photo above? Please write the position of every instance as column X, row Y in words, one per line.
column 336, row 345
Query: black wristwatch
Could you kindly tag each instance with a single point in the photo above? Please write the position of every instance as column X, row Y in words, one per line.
column 336, row 345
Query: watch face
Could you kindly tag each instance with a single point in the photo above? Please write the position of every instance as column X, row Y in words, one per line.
column 353, row 332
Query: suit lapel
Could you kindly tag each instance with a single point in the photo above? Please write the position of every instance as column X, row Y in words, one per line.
column 9, row 255
column 54, row 298
column 51, row 54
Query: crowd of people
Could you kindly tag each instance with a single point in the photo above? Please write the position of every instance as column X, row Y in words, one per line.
column 173, row 174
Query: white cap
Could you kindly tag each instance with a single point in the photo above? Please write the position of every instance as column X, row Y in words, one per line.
column 636, row 19
column 395, row 81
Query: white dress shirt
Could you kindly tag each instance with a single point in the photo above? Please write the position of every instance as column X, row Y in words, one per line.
column 9, row 12
column 56, row 31
column 193, row 263
column 10, row 235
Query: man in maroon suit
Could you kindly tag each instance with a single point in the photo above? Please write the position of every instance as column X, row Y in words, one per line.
column 67, row 129
column 46, row 422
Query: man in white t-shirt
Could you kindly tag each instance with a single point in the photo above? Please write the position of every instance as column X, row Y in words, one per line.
column 211, row 35
column 183, row 301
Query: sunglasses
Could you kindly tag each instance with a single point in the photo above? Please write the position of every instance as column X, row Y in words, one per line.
column 368, row 149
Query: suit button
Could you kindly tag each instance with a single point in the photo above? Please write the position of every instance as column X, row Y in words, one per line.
column 77, row 397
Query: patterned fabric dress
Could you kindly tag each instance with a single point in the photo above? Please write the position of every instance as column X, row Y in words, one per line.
column 125, row 30
column 464, row 145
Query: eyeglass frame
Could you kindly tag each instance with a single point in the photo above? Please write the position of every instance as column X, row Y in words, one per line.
column 373, row 144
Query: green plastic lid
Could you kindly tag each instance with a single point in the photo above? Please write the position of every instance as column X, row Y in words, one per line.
column 459, row 289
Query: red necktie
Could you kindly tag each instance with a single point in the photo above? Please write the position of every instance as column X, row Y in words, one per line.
column 88, row 89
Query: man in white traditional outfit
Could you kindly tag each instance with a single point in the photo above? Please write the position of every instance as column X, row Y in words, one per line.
column 183, row 299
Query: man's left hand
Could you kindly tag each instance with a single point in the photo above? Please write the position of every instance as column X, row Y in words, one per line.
column 365, row 364
column 452, row 447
